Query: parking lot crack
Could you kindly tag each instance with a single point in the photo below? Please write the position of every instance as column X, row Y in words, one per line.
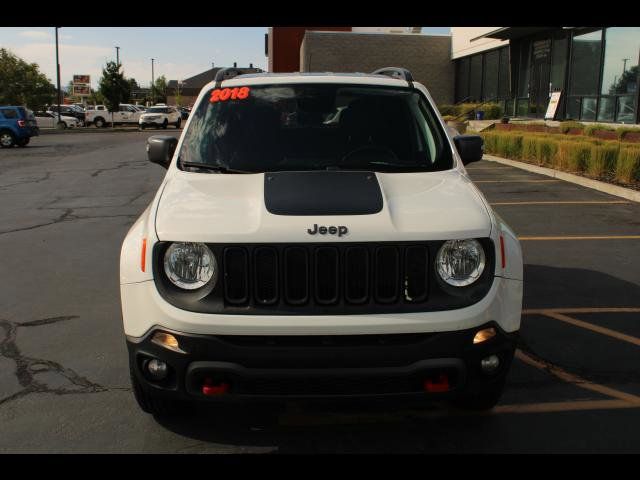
column 36, row 375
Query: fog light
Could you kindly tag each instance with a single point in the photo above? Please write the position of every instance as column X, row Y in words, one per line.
column 167, row 340
column 490, row 364
column 484, row 335
column 157, row 369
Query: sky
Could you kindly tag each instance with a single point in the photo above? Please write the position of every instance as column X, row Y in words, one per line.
column 179, row 52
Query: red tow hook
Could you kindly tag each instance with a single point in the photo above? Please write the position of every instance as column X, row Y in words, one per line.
column 212, row 389
column 437, row 385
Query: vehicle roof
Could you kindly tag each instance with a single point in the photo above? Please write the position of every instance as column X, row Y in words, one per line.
column 311, row 77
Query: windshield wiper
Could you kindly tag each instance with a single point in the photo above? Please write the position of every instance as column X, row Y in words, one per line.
column 209, row 167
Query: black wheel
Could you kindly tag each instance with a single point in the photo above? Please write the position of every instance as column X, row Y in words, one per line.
column 23, row 142
column 152, row 404
column 7, row 140
column 99, row 122
column 480, row 400
column 178, row 123
column 61, row 126
column 165, row 124
column 142, row 127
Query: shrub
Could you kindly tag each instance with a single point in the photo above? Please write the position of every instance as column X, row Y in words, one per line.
column 572, row 156
column 546, row 149
column 628, row 165
column 449, row 110
column 603, row 160
column 492, row 111
column 529, row 147
column 589, row 129
column 448, row 118
column 566, row 126
column 509, row 146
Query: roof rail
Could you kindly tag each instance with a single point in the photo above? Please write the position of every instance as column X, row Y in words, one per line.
column 226, row 74
column 396, row 72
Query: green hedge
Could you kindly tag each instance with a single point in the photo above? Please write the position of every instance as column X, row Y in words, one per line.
column 580, row 154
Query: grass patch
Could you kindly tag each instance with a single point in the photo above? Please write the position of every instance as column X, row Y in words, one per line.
column 628, row 165
column 597, row 158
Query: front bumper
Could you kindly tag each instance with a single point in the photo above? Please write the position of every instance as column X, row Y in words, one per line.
column 341, row 366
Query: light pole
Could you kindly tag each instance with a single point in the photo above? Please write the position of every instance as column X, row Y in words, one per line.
column 58, row 74
column 624, row 65
column 118, row 55
column 153, row 93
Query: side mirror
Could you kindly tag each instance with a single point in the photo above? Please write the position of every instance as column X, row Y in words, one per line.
column 160, row 149
column 470, row 147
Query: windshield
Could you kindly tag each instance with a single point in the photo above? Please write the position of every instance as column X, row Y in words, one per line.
column 157, row 110
column 316, row 127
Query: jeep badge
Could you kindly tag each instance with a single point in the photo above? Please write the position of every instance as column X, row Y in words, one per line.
column 332, row 230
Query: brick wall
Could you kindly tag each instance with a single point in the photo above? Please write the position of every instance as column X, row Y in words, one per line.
column 427, row 57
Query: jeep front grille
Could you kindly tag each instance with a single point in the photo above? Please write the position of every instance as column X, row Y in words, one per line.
column 326, row 275
column 325, row 279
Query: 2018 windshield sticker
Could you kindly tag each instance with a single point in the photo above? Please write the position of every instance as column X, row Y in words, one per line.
column 224, row 94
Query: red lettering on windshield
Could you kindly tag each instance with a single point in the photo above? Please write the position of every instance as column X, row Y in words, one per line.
column 224, row 94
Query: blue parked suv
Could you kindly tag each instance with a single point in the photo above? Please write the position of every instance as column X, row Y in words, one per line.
column 17, row 126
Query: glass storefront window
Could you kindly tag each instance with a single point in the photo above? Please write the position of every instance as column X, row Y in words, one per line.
column 626, row 109
column 620, row 74
column 573, row 108
column 475, row 79
column 490, row 83
column 462, row 79
column 585, row 63
column 508, row 111
column 503, row 81
column 523, row 107
column 607, row 108
column 524, row 68
column 558, row 63
column 588, row 109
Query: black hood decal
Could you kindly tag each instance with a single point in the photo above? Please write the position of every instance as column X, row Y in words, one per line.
column 322, row 193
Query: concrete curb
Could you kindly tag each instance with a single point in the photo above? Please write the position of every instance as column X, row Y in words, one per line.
column 55, row 131
column 622, row 192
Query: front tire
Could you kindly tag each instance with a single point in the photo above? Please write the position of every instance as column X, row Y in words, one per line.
column 7, row 140
column 165, row 124
column 100, row 123
column 156, row 406
column 23, row 142
column 178, row 123
column 61, row 126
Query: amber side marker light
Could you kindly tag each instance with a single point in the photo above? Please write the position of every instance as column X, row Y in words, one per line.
column 484, row 335
column 167, row 341
column 143, row 254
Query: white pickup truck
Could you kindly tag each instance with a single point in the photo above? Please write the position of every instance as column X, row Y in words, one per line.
column 101, row 117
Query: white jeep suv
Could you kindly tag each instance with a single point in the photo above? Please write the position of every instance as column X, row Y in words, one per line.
column 317, row 235
column 160, row 116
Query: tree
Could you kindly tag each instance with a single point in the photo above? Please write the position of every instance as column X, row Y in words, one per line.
column 22, row 83
column 159, row 89
column 114, row 88
column 178, row 93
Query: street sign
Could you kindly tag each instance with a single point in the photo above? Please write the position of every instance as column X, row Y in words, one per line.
column 82, row 79
column 82, row 90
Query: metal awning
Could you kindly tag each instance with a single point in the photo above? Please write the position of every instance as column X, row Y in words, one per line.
column 511, row 33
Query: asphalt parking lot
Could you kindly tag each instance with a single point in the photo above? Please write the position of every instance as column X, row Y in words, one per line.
column 66, row 203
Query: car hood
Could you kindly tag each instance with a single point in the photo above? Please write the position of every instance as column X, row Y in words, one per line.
column 229, row 208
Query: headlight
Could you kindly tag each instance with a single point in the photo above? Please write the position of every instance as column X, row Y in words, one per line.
column 190, row 265
column 460, row 262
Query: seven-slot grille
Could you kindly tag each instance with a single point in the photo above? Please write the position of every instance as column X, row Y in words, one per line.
column 325, row 275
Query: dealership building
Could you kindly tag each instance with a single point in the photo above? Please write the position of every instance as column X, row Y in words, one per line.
column 594, row 69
